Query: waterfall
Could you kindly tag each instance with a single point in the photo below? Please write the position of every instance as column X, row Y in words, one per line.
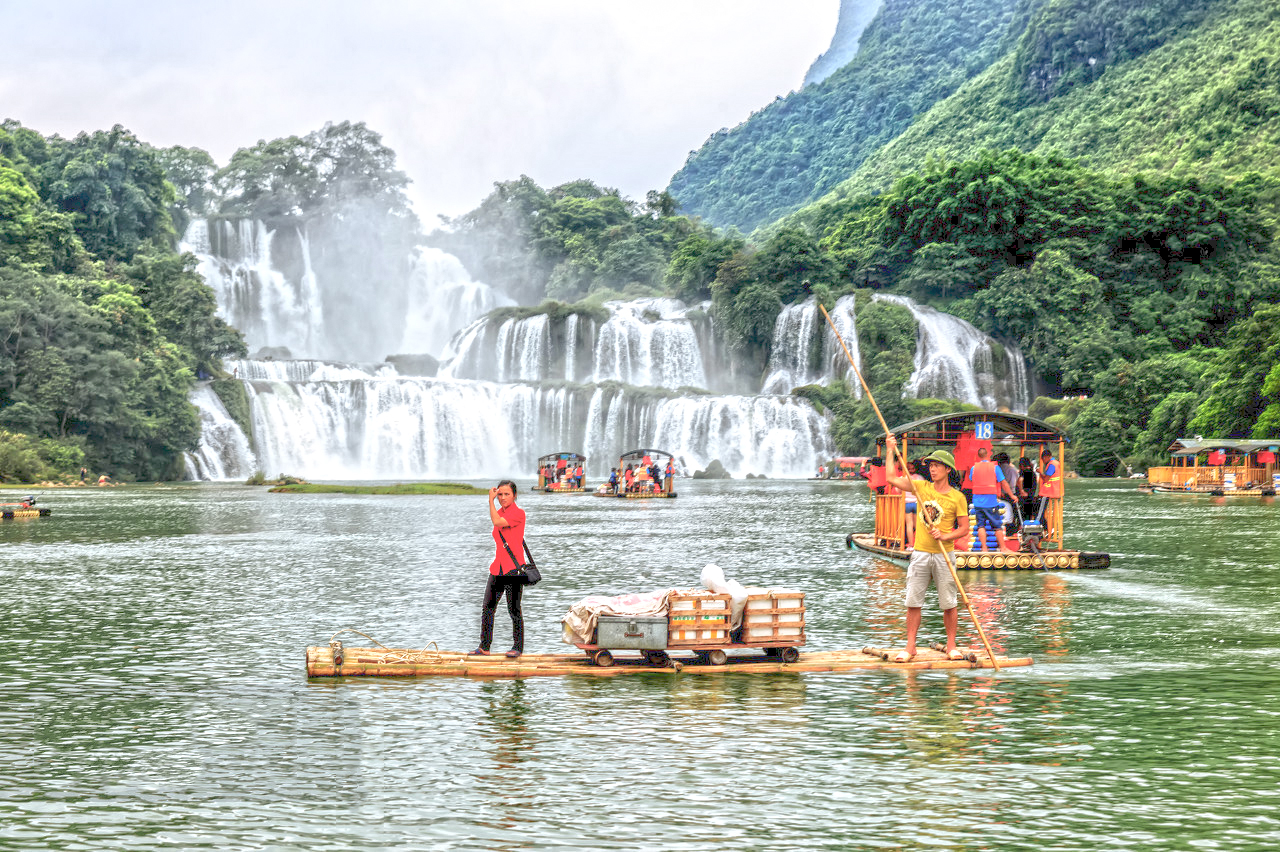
column 243, row 261
column 253, row 296
column 507, row 387
column 649, row 342
column 408, row 427
column 646, row 342
column 442, row 300
column 806, row 351
column 224, row 451
column 956, row 361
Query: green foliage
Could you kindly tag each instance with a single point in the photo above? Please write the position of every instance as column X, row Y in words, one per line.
column 1096, row 435
column 911, row 56
column 1245, row 399
column 114, row 187
column 20, row 459
column 1168, row 422
column 235, row 399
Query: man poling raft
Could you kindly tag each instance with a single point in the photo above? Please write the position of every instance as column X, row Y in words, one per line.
column 923, row 496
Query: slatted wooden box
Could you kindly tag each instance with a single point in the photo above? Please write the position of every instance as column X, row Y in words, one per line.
column 697, row 619
column 774, row 618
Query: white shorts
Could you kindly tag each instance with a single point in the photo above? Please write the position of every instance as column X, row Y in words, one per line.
column 923, row 567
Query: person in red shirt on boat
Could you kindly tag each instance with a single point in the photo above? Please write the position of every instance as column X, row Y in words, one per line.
column 942, row 517
column 508, row 523
column 988, row 481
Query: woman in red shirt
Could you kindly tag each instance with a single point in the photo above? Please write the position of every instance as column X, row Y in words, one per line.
column 508, row 523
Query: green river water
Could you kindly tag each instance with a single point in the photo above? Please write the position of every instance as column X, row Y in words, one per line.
column 153, row 692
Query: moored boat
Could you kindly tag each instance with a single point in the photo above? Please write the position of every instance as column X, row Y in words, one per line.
column 1031, row 543
column 562, row 473
column 1219, row 467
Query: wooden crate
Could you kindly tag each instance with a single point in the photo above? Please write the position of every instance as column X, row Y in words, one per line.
column 695, row 620
column 774, row 619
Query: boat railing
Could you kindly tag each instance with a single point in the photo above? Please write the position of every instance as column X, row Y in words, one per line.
column 891, row 520
column 1211, row 476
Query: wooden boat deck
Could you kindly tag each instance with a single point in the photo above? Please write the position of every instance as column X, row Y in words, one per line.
column 1003, row 561
column 397, row 662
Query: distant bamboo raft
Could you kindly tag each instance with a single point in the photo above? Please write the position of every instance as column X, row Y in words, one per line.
column 11, row 514
column 400, row 662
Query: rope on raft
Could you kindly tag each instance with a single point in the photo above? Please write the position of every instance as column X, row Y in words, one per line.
column 429, row 654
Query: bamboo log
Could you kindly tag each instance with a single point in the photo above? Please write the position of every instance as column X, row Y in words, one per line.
column 370, row 662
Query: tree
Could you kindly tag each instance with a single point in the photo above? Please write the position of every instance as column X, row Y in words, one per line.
column 1247, row 389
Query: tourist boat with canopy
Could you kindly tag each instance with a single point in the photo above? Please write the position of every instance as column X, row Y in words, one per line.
column 562, row 473
column 848, row 468
column 1040, row 543
column 643, row 474
column 1221, row 467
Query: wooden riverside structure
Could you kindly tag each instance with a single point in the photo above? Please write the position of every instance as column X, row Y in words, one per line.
column 643, row 488
column 553, row 484
column 1222, row 467
column 1002, row 429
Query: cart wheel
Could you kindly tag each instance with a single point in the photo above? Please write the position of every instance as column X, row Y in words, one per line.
column 603, row 659
column 657, row 658
column 790, row 655
column 717, row 657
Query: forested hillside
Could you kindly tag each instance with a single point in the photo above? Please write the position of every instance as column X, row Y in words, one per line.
column 103, row 328
column 1169, row 86
column 913, row 54
column 1105, row 196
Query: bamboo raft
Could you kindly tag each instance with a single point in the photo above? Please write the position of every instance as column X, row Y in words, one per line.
column 11, row 514
column 398, row 662
column 1003, row 560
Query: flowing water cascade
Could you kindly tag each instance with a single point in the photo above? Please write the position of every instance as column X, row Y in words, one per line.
column 224, row 451
column 443, row 299
column 956, row 361
column 245, row 262
column 806, row 351
column 411, row 427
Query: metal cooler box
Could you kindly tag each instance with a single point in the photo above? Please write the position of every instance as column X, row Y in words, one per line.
column 631, row 633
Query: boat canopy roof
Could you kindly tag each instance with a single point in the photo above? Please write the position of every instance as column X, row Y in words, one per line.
column 567, row 456
column 947, row 429
column 850, row 461
column 638, row 455
column 1196, row 446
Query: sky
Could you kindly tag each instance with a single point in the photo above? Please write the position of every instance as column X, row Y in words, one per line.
column 466, row 93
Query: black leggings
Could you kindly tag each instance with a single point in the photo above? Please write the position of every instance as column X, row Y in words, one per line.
column 514, row 588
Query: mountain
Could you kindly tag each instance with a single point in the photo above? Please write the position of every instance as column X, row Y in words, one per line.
column 854, row 17
column 913, row 54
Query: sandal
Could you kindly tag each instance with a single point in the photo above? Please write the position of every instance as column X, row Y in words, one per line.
column 957, row 654
column 479, row 652
column 903, row 657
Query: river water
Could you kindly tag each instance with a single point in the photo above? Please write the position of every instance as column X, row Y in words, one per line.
column 153, row 693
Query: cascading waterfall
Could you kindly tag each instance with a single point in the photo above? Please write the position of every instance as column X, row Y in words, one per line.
column 224, row 451
column 954, row 360
column 649, row 342
column 407, row 427
column 443, row 299
column 806, row 351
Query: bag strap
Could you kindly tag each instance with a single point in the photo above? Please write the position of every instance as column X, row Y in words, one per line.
column 514, row 561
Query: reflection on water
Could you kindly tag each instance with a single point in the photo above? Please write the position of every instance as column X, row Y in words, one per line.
column 152, row 691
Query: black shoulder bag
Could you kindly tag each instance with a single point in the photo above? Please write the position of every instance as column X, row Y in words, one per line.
column 527, row 571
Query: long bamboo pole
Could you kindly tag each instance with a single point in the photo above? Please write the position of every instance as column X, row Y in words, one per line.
column 946, row 554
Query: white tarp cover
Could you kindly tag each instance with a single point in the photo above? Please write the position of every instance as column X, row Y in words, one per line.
column 579, row 623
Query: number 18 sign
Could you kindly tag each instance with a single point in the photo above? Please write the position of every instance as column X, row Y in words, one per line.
column 984, row 430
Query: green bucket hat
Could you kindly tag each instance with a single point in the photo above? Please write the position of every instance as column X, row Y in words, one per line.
column 942, row 456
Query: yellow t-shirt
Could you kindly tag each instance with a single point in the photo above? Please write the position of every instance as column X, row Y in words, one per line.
column 952, row 505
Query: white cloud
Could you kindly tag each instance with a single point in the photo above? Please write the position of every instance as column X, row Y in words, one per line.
column 465, row 93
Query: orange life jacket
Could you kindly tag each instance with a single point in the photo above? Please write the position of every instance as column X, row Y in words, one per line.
column 1051, row 486
column 983, row 477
